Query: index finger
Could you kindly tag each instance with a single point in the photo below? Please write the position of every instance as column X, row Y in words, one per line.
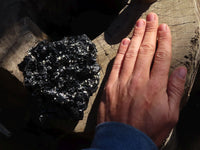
column 162, row 58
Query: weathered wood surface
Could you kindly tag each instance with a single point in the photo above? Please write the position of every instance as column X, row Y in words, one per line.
column 15, row 45
column 182, row 17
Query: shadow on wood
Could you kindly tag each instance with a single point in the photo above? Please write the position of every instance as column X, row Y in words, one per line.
column 73, row 17
column 92, row 117
column 122, row 26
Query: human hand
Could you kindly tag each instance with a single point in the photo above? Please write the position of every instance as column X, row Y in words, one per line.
column 138, row 91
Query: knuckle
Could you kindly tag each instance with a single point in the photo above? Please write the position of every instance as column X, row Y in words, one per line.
column 147, row 48
column 147, row 101
column 121, row 52
column 151, row 27
column 176, row 88
column 108, row 88
column 108, row 95
column 155, row 89
column 161, row 55
column 138, row 32
column 136, row 83
column 154, row 84
column 116, row 66
column 121, row 88
column 164, row 36
column 130, row 54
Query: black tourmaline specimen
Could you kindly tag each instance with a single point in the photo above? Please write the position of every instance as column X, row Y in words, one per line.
column 62, row 75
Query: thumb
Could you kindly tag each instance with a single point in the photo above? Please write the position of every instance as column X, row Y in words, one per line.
column 175, row 87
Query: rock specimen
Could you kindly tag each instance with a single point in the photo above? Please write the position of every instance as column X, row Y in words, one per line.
column 62, row 75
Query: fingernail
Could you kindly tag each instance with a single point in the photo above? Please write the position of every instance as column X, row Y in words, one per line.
column 150, row 17
column 182, row 73
column 125, row 42
column 140, row 23
column 163, row 27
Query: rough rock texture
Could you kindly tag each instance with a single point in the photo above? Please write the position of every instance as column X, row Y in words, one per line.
column 62, row 75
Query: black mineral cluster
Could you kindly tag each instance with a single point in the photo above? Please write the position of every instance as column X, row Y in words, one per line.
column 61, row 76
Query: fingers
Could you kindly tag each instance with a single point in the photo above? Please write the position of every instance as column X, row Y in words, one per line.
column 119, row 60
column 176, row 88
column 162, row 58
column 147, row 48
column 131, row 54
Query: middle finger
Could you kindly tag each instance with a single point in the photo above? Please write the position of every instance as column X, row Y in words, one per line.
column 147, row 48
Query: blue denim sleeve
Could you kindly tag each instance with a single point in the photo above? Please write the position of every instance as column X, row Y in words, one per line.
column 119, row 136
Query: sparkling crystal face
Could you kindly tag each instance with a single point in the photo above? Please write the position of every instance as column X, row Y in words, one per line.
column 63, row 74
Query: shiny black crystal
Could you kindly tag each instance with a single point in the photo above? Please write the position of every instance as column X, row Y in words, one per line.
column 62, row 75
